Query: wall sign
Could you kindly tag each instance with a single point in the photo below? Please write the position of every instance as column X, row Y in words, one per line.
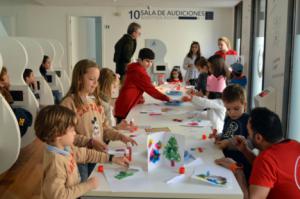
column 171, row 14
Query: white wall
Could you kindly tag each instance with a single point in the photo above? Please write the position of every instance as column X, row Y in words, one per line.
column 51, row 22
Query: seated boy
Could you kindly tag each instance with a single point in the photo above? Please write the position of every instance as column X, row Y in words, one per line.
column 54, row 125
column 237, row 75
column 202, row 67
column 137, row 82
column 235, row 123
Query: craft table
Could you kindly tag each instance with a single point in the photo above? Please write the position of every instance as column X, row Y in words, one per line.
column 154, row 185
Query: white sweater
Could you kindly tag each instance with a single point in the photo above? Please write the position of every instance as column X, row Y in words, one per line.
column 215, row 113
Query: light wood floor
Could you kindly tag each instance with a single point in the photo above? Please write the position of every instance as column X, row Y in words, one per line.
column 23, row 179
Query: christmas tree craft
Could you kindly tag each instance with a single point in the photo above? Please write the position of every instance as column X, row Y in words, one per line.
column 165, row 149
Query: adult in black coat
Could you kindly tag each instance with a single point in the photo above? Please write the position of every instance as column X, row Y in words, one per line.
column 125, row 48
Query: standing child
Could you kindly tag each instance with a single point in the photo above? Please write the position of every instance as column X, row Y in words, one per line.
column 55, row 125
column 235, row 123
column 216, row 83
column 137, row 82
column 202, row 67
column 175, row 76
column 191, row 74
column 108, row 87
column 91, row 120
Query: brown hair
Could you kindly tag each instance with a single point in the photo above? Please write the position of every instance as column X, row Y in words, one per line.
column 3, row 72
column 201, row 62
column 79, row 70
column 218, row 66
column 234, row 93
column 52, row 122
column 106, row 79
column 226, row 41
column 190, row 54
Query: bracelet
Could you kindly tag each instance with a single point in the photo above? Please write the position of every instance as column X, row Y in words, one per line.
column 110, row 157
column 235, row 166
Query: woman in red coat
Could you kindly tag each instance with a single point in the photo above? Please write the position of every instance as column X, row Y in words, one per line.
column 225, row 47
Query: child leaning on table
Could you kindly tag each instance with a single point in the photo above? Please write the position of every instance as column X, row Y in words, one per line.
column 55, row 125
column 235, row 124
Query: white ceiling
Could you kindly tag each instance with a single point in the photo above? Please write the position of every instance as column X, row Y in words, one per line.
column 154, row 3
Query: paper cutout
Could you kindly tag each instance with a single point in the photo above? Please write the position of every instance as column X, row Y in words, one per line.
column 176, row 179
column 123, row 174
column 200, row 123
column 167, row 149
column 174, row 103
column 171, row 151
column 211, row 179
column 159, row 129
column 174, row 93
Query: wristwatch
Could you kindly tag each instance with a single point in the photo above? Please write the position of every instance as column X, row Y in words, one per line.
column 235, row 166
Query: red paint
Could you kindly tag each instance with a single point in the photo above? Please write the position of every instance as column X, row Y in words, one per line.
column 181, row 170
column 100, row 168
column 204, row 136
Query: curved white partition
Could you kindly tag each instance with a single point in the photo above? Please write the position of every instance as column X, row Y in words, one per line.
column 10, row 139
column 15, row 58
column 35, row 57
column 49, row 50
column 57, row 65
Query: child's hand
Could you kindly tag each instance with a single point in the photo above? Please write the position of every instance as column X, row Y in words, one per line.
column 240, row 143
column 125, row 139
column 186, row 99
column 225, row 162
column 222, row 144
column 122, row 161
column 99, row 146
column 93, row 182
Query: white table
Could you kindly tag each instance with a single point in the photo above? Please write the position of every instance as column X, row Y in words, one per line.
column 154, row 186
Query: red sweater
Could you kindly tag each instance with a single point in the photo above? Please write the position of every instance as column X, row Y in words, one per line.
column 229, row 52
column 136, row 83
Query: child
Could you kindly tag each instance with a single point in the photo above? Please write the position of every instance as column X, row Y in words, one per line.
column 235, row 123
column 175, row 76
column 108, row 86
column 137, row 82
column 237, row 75
column 29, row 78
column 91, row 120
column 225, row 48
column 216, row 83
column 191, row 74
column 46, row 65
column 202, row 67
column 23, row 116
column 55, row 125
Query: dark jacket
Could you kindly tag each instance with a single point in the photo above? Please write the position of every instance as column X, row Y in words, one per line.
column 124, row 49
column 136, row 83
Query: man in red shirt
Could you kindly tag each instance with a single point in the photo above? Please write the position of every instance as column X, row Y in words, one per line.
column 137, row 82
column 276, row 170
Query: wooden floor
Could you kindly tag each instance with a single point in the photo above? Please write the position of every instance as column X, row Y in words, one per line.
column 23, row 180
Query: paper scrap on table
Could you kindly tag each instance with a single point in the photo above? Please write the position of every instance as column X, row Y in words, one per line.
column 176, row 179
column 201, row 123
column 198, row 161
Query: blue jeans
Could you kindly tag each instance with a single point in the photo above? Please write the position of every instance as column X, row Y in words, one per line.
column 85, row 170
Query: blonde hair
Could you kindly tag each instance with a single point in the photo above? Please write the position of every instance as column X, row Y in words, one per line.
column 79, row 70
column 226, row 41
column 52, row 122
column 106, row 79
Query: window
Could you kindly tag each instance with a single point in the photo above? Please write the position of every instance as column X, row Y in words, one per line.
column 238, row 13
